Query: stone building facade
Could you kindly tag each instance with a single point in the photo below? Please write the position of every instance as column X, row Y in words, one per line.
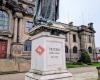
column 79, row 38
column 16, row 19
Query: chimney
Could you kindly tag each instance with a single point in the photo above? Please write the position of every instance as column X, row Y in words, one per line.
column 90, row 25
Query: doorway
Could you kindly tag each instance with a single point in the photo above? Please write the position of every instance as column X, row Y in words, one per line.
column 3, row 49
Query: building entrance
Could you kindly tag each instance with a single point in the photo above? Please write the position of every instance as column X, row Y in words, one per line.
column 3, row 48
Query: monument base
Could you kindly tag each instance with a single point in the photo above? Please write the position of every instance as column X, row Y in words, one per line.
column 60, row 76
column 48, row 54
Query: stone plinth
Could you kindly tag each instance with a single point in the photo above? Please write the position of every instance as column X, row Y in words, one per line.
column 48, row 57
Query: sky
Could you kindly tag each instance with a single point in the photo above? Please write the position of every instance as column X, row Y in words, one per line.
column 81, row 12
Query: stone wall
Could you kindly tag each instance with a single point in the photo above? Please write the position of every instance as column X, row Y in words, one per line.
column 16, row 65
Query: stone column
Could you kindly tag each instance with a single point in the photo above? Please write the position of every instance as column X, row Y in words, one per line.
column 9, row 48
column 70, row 48
column 15, row 29
column 93, row 45
column 20, row 29
column 82, row 41
column 85, row 41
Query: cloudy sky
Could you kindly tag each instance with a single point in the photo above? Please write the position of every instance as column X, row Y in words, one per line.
column 82, row 12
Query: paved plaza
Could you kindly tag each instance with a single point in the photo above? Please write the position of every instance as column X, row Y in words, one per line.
column 86, row 73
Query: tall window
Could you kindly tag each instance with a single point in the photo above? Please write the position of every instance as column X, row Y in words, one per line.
column 89, row 39
column 66, row 49
column 74, row 49
column 3, row 20
column 27, row 45
column 74, row 38
column 29, row 25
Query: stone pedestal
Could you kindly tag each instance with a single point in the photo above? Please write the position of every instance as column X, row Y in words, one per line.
column 48, row 56
column 63, row 76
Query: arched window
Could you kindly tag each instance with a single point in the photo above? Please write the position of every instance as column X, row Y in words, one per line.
column 74, row 49
column 3, row 20
column 66, row 49
column 90, row 50
column 27, row 45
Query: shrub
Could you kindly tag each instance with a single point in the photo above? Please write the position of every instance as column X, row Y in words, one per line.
column 85, row 58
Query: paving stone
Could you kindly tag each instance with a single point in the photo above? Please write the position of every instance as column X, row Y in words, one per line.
column 87, row 73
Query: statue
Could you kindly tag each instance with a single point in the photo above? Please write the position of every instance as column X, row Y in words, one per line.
column 46, row 11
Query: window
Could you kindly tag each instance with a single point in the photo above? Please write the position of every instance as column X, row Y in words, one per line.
column 90, row 50
column 3, row 20
column 74, row 49
column 74, row 38
column 29, row 25
column 27, row 45
column 66, row 49
column 89, row 39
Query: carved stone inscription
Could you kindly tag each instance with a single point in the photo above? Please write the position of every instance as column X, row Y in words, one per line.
column 54, row 53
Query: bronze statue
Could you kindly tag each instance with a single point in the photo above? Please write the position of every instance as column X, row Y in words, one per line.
column 46, row 11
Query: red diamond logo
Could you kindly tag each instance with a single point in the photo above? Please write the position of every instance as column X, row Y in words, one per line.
column 39, row 50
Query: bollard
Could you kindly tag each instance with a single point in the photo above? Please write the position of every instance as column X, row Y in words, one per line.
column 98, row 69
